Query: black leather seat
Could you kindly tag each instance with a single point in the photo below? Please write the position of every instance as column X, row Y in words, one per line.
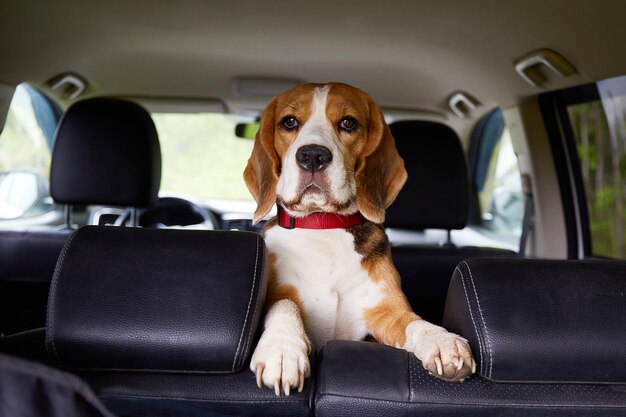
column 106, row 152
column 27, row 260
column 548, row 337
column 163, row 322
column 436, row 196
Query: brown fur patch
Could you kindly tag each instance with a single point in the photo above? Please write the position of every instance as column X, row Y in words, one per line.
column 379, row 171
column 277, row 291
column 388, row 320
column 263, row 168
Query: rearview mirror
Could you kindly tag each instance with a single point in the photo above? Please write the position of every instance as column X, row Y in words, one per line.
column 247, row 130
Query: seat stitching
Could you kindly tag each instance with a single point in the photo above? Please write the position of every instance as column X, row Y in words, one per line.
column 487, row 341
column 479, row 404
column 469, row 307
column 256, row 302
column 206, row 400
column 52, row 297
column 245, row 323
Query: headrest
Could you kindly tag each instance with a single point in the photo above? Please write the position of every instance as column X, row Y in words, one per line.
column 106, row 152
column 542, row 321
column 436, row 194
column 156, row 300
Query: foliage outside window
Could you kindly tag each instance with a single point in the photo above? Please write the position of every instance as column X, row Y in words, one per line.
column 601, row 147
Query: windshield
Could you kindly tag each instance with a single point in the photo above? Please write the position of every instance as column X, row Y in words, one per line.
column 202, row 157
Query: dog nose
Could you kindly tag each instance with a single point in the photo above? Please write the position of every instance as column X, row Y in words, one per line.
column 313, row 158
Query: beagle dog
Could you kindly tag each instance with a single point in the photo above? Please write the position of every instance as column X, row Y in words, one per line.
column 326, row 157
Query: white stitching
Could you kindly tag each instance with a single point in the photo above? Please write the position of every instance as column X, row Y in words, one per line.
column 488, row 341
column 245, row 323
column 52, row 296
column 256, row 304
column 469, row 307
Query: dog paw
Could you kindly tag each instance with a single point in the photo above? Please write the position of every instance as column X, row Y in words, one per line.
column 281, row 361
column 446, row 355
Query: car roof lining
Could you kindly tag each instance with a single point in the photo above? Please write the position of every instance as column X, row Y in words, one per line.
column 407, row 55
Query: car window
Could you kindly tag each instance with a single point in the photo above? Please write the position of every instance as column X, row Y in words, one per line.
column 202, row 157
column 496, row 180
column 599, row 129
column 25, row 149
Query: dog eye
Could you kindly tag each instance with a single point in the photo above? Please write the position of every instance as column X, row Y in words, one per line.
column 348, row 124
column 289, row 122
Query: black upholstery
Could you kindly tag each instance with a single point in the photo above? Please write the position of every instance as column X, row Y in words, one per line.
column 106, row 152
column 158, row 300
column 168, row 306
column 542, row 321
column 27, row 260
column 29, row 344
column 30, row 389
column 161, row 300
column 426, row 273
column 171, row 394
column 368, row 379
column 436, row 194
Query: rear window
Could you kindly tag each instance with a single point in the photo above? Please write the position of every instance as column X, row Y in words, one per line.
column 25, row 150
column 498, row 209
column 202, row 157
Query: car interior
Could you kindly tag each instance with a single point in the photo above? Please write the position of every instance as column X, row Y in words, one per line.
column 133, row 280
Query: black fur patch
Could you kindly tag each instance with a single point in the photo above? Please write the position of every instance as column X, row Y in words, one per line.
column 370, row 241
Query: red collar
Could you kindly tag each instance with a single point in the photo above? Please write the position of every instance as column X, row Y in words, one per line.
column 318, row 220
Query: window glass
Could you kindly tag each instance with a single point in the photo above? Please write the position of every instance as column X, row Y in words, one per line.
column 25, row 144
column 202, row 157
column 599, row 128
column 497, row 181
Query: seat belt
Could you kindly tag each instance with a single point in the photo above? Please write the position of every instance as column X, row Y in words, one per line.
column 528, row 222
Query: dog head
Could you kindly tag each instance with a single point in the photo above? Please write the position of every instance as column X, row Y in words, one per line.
column 324, row 147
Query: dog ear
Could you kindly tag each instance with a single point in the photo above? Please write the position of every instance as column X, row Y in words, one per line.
column 261, row 173
column 380, row 172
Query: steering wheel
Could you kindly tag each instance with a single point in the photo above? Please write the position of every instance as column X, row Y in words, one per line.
column 174, row 212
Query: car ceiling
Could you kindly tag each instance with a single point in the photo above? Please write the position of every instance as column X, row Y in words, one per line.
column 407, row 54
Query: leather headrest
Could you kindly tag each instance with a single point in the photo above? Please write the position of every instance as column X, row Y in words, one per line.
column 542, row 321
column 106, row 152
column 436, row 194
column 156, row 300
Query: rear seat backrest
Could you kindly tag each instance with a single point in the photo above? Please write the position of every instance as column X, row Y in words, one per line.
column 156, row 300
column 436, row 196
column 542, row 320
column 106, row 152
column 163, row 322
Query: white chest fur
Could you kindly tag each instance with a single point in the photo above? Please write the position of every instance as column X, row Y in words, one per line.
column 326, row 271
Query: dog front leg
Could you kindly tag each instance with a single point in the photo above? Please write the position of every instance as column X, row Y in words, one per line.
column 446, row 355
column 281, row 358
